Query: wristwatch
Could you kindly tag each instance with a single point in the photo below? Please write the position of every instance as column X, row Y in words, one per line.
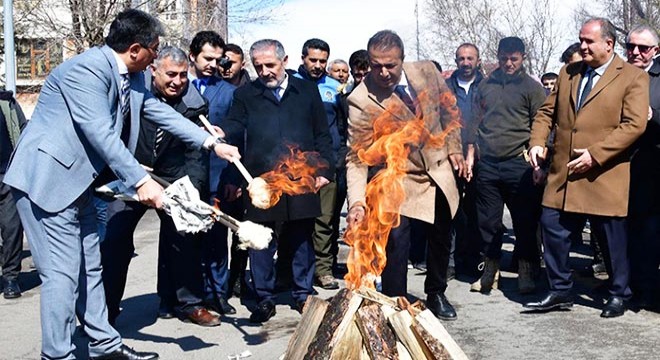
column 216, row 142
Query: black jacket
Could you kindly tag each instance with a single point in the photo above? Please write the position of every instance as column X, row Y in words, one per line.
column 268, row 126
column 173, row 159
column 465, row 102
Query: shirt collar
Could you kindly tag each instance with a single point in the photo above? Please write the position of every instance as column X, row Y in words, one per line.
column 601, row 69
column 285, row 82
column 403, row 81
column 121, row 66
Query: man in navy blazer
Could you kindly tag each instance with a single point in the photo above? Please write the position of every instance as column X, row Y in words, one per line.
column 206, row 51
column 87, row 119
column 272, row 112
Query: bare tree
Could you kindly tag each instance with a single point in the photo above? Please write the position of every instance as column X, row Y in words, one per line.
column 624, row 14
column 485, row 22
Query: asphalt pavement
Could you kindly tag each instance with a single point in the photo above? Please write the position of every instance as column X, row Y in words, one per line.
column 488, row 326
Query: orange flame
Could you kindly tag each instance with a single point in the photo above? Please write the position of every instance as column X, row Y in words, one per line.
column 391, row 143
column 294, row 174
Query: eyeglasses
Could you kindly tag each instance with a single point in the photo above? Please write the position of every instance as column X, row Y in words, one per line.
column 152, row 50
column 642, row 48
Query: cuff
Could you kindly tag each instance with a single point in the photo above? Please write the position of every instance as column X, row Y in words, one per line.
column 142, row 181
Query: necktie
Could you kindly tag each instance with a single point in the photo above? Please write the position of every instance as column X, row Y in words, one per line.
column 125, row 107
column 278, row 93
column 160, row 133
column 587, row 88
column 400, row 91
column 200, row 85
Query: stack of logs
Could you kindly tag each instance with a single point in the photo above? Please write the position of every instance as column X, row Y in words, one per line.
column 365, row 324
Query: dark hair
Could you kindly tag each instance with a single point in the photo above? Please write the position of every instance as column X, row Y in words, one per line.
column 235, row 49
column 465, row 45
column 568, row 53
column 607, row 30
column 384, row 40
column 205, row 37
column 359, row 60
column 437, row 65
column 510, row 45
column 315, row 44
column 133, row 26
column 549, row 76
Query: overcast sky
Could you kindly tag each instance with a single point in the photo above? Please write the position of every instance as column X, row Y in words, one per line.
column 347, row 25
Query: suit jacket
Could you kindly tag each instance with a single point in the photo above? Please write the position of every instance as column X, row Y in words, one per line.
column 612, row 117
column 427, row 166
column 269, row 125
column 219, row 94
column 173, row 159
column 75, row 131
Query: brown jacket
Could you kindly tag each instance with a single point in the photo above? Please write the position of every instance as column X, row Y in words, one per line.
column 611, row 118
column 426, row 166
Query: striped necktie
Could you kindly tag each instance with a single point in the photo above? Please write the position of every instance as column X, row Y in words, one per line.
column 125, row 107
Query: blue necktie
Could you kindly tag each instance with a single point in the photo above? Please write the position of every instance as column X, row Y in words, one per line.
column 200, row 84
column 400, row 91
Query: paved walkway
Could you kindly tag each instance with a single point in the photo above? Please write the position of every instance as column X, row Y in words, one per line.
column 488, row 327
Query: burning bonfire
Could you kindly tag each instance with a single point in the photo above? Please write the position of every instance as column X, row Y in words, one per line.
column 360, row 323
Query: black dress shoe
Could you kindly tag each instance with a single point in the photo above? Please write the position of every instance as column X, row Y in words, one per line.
column 221, row 306
column 440, row 307
column 11, row 290
column 552, row 301
column 264, row 311
column 613, row 308
column 126, row 353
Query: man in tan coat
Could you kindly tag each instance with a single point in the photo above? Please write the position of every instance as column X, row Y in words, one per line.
column 600, row 107
column 395, row 89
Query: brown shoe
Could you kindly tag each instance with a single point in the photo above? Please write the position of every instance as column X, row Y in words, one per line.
column 201, row 317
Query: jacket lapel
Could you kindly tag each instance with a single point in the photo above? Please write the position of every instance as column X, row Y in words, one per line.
column 388, row 101
column 610, row 74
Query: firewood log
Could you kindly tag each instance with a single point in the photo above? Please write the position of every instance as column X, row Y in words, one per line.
column 376, row 334
column 315, row 308
column 436, row 337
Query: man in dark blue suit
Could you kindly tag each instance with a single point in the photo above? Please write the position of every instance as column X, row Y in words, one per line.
column 206, row 51
column 87, row 120
column 272, row 112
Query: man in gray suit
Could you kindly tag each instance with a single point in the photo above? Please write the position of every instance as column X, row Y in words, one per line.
column 87, row 120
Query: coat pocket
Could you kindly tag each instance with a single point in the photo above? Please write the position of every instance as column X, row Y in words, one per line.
column 59, row 154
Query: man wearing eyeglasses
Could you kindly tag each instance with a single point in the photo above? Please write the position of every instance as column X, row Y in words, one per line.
column 599, row 107
column 644, row 207
column 87, row 120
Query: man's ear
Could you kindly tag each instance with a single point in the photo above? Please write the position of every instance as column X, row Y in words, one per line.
column 134, row 50
column 285, row 60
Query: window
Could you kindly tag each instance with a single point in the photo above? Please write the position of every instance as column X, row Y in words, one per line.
column 35, row 58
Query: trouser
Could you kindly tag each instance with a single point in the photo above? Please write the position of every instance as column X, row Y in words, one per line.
column 644, row 235
column 65, row 250
column 292, row 238
column 179, row 264
column 11, row 232
column 324, row 231
column 508, row 182
column 215, row 259
column 558, row 229
column 394, row 276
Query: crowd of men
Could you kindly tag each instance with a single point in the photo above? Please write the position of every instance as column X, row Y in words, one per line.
column 577, row 146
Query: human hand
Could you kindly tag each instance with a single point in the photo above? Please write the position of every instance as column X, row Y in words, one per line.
column 321, row 182
column 151, row 193
column 458, row 163
column 583, row 163
column 536, row 156
column 227, row 152
column 355, row 215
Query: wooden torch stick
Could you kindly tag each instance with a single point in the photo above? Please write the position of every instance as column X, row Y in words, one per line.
column 236, row 162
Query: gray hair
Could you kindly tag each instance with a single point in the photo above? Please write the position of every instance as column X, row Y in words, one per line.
column 641, row 28
column 267, row 44
column 173, row 53
column 337, row 61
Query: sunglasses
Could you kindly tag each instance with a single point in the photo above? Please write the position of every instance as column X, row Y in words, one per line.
column 642, row 48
